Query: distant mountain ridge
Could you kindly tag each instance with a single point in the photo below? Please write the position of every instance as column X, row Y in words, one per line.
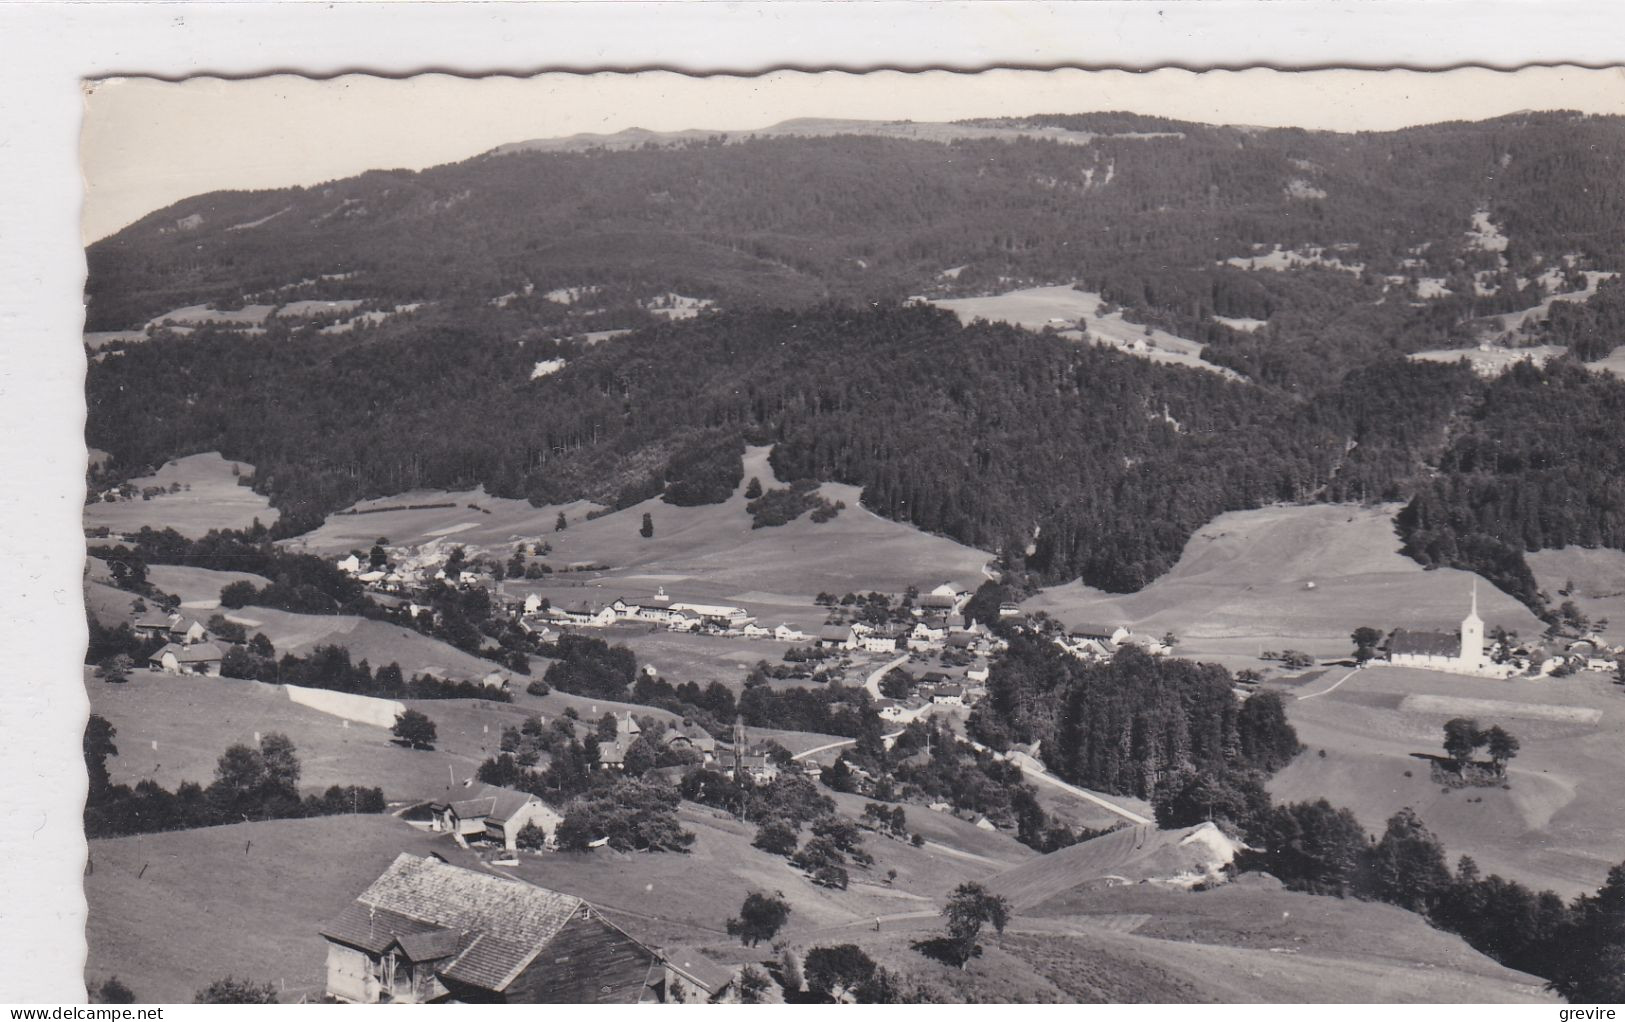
column 815, row 127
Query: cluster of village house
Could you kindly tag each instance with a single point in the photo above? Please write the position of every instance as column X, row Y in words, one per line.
column 1101, row 642
column 1464, row 651
column 427, row 930
column 1467, row 652
column 188, row 650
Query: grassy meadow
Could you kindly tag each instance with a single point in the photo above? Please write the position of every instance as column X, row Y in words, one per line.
column 1289, row 577
column 215, row 500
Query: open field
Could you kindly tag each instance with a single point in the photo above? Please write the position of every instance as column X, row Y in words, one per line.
column 1130, row 855
column 1599, row 582
column 1492, row 361
column 1558, row 824
column 689, row 897
column 494, row 523
column 109, row 606
column 255, row 912
column 1249, row 942
column 708, row 552
column 193, row 720
column 215, row 501
column 1300, row 577
column 198, row 588
column 1064, row 308
column 712, row 553
column 377, row 642
column 244, row 900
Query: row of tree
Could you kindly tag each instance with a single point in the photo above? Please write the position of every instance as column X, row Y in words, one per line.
column 250, row 783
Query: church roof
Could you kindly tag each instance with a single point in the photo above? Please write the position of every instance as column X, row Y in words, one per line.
column 1405, row 642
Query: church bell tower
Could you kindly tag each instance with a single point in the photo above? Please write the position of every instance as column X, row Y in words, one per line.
column 1472, row 633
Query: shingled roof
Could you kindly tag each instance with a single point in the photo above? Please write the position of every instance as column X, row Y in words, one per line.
column 198, row 653
column 1409, row 643
column 499, row 926
column 491, row 803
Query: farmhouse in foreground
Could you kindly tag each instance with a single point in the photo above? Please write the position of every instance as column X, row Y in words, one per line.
column 426, row 931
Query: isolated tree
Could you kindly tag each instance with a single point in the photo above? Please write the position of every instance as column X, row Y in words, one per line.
column 753, row 489
column 897, row 684
column 559, row 523
column 969, row 907
column 647, row 530
column 1366, row 640
column 1461, row 737
column 114, row 992
column 232, row 990
column 1502, row 747
column 776, row 836
column 377, row 557
column 760, row 917
column 415, row 729
column 835, row 971
column 456, row 561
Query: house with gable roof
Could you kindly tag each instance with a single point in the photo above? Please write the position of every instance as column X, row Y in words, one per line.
column 202, row 658
column 155, row 624
column 493, row 814
column 427, row 932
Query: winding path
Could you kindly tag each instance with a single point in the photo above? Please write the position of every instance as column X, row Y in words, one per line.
column 1033, row 770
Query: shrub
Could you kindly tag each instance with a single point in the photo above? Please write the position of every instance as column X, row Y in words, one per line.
column 236, row 991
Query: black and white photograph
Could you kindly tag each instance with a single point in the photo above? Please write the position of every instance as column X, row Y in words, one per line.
column 1023, row 536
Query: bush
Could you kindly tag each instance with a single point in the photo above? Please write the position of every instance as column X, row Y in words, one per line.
column 531, row 838
column 778, row 837
column 114, row 992
column 236, row 991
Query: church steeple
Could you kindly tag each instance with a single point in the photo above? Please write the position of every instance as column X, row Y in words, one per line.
column 1472, row 632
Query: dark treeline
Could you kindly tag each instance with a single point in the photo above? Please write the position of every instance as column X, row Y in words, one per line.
column 1577, row 947
column 301, row 583
column 249, row 784
column 1593, row 328
column 981, row 433
column 330, row 667
column 1174, row 732
column 1132, row 725
column 1540, row 463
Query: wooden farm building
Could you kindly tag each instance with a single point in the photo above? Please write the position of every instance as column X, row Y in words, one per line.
column 426, row 931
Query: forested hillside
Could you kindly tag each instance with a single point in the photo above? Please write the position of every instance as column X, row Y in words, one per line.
column 989, row 434
column 1309, row 262
column 1539, row 464
column 1147, row 221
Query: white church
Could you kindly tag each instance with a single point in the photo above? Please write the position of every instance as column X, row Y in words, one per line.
column 1460, row 653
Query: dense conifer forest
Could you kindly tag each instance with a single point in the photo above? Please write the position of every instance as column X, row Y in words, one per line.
column 1067, row 460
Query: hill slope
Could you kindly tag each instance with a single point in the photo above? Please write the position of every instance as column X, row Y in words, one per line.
column 1301, row 577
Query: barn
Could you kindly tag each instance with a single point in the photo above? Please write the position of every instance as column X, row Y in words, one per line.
column 430, row 932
